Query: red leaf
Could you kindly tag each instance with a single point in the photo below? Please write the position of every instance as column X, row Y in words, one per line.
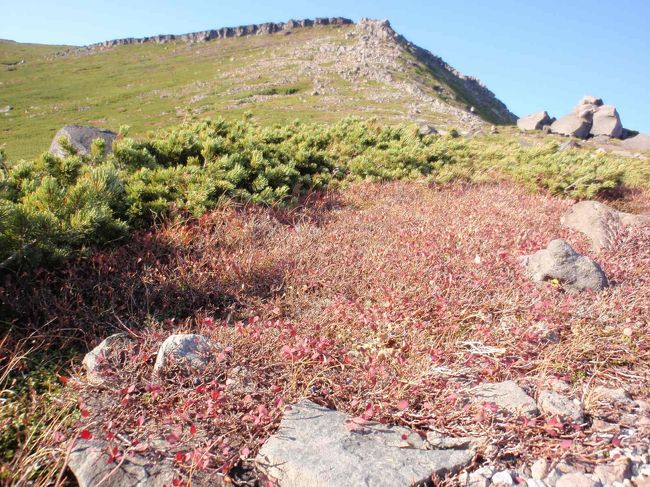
column 85, row 435
column 63, row 380
column 179, row 456
column 566, row 444
column 85, row 413
column 193, row 429
column 402, row 405
column 616, row 441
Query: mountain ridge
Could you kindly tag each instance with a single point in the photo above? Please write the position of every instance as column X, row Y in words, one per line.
column 320, row 71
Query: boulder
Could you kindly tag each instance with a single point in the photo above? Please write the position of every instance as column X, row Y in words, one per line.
column 188, row 352
column 320, row 447
column 560, row 262
column 96, row 362
column 426, row 129
column 590, row 100
column 606, row 122
column 534, row 121
column 89, row 462
column 573, row 125
column 508, row 396
column 81, row 139
column 640, row 142
column 599, row 222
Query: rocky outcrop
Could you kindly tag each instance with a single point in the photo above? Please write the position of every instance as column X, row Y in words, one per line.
column 599, row 222
column 561, row 263
column 640, row 142
column 208, row 35
column 573, row 125
column 589, row 118
column 606, row 121
column 81, row 138
column 317, row 446
column 534, row 121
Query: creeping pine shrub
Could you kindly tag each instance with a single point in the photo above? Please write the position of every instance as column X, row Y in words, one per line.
column 52, row 207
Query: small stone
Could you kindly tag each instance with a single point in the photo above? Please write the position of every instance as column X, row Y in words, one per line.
column 539, row 469
column 96, row 361
column 502, row 478
column 477, row 480
column 555, row 404
column 189, row 351
column 614, row 395
column 614, row 472
column 506, row 395
column 641, row 481
column 576, row 480
column 535, row 483
column 81, row 138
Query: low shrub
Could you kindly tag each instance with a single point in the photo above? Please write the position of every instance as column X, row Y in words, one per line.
column 52, row 207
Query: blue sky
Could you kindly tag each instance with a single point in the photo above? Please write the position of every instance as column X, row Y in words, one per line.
column 533, row 54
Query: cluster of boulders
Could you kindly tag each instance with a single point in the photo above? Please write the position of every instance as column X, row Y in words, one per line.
column 561, row 264
column 589, row 118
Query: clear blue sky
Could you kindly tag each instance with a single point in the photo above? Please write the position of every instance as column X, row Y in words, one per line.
column 533, row 54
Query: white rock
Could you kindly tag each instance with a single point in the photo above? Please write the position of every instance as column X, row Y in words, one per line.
column 539, row 469
column 503, row 478
column 189, row 351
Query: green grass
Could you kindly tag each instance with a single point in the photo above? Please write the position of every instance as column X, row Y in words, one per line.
column 152, row 86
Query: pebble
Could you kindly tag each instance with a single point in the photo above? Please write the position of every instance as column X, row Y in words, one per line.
column 503, row 478
column 576, row 480
column 539, row 469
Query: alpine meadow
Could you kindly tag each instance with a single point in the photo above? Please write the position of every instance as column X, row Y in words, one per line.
column 313, row 253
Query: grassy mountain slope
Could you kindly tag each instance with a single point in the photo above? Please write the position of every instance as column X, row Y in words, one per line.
column 320, row 73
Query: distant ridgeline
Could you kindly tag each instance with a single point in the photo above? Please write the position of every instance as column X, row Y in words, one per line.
column 207, row 35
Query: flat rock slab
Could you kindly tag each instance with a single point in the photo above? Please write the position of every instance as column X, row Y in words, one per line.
column 638, row 142
column 314, row 446
column 89, row 462
column 506, row 395
column 558, row 261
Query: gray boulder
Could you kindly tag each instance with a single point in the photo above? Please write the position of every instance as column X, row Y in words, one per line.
column 89, row 462
column 606, row 121
column 534, row 121
column 559, row 261
column 81, row 139
column 320, row 447
column 640, row 142
column 426, row 129
column 599, row 222
column 189, row 353
column 506, row 395
column 96, row 362
column 573, row 125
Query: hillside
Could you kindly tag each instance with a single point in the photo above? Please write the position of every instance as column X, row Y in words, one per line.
column 315, row 73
